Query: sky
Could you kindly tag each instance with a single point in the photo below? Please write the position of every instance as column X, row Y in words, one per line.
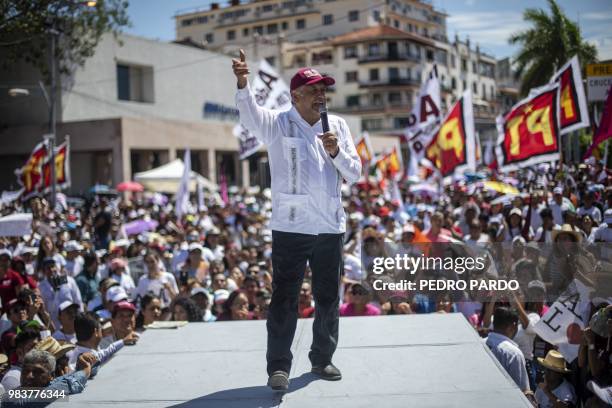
column 487, row 22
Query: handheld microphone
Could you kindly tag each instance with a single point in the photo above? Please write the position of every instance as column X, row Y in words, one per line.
column 324, row 120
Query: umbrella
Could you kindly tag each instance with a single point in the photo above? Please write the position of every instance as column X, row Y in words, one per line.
column 102, row 189
column 500, row 187
column 130, row 186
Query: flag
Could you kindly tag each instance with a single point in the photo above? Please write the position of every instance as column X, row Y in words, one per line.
column 423, row 120
column 529, row 133
column 364, row 149
column 200, row 192
column 62, row 169
column 271, row 92
column 390, row 164
column 604, row 131
column 563, row 323
column 453, row 146
column 30, row 175
column 182, row 195
column 573, row 112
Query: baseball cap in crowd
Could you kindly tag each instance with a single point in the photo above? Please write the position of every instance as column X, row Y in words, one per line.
column 117, row 263
column 309, row 76
column 6, row 252
column 106, row 284
column 408, row 228
column 214, row 231
column 73, row 246
column 197, row 291
column 125, row 305
column 220, row 296
column 536, row 285
column 558, row 190
column 603, row 393
column 66, row 304
column 116, row 294
column 51, row 345
column 515, row 211
column 196, row 246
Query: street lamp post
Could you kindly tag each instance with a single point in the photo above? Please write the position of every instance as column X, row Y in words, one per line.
column 52, row 116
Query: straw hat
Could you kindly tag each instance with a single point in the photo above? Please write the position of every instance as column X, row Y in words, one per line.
column 566, row 229
column 554, row 361
column 52, row 346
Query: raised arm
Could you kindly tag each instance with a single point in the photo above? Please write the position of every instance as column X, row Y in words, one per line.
column 257, row 120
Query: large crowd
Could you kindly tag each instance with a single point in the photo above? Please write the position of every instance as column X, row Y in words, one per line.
column 96, row 272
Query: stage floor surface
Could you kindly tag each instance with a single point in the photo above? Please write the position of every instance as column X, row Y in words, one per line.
column 434, row 360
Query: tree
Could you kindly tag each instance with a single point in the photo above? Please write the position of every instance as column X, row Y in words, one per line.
column 25, row 27
column 550, row 42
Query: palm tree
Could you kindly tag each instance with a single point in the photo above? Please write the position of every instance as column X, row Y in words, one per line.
column 550, row 42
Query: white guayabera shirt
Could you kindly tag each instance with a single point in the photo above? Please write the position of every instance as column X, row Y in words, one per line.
column 306, row 181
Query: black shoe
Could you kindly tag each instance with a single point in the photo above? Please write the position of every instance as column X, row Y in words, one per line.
column 279, row 381
column 327, row 372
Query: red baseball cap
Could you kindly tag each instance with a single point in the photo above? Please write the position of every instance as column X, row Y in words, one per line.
column 125, row 305
column 309, row 76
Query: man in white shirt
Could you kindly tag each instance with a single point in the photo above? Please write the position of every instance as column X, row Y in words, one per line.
column 308, row 220
column 67, row 312
column 557, row 205
column 507, row 352
column 589, row 208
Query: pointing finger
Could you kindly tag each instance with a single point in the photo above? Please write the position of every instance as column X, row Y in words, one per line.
column 242, row 55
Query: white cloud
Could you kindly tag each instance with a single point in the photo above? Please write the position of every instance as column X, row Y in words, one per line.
column 597, row 16
column 490, row 29
column 470, row 3
column 604, row 47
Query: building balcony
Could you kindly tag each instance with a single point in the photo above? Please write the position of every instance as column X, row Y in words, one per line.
column 390, row 82
column 388, row 57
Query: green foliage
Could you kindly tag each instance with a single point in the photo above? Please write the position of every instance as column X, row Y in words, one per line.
column 550, row 42
column 25, row 27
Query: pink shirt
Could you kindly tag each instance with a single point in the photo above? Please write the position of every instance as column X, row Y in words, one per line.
column 348, row 309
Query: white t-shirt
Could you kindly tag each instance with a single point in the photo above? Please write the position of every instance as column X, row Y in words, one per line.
column 12, row 378
column 156, row 286
column 593, row 212
column 565, row 392
column 524, row 337
column 61, row 336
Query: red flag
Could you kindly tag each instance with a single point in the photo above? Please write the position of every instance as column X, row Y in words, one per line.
column 62, row 169
column 573, row 113
column 604, row 131
column 30, row 175
column 529, row 134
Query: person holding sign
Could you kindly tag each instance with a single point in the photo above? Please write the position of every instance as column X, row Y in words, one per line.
column 307, row 165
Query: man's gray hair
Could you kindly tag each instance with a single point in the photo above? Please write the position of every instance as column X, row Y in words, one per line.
column 40, row 357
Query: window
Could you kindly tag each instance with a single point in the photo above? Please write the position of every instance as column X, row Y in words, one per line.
column 245, row 32
column 231, row 35
column 202, row 20
column 475, row 88
column 186, row 23
column 371, row 124
column 400, row 123
column 474, row 69
column 374, row 74
column 376, row 15
column 464, row 67
column 267, row 8
column 272, row 28
column 209, row 38
column 453, row 62
column 430, row 55
column 393, row 73
column 350, row 52
column 373, row 50
column 395, row 98
column 464, row 85
column 323, row 57
column 284, row 25
column 353, row 15
column 351, row 76
column 135, row 83
column 328, row 19
column 300, row 24
column 425, row 32
column 352, row 100
column 492, row 92
column 396, row 24
column 484, row 91
column 377, row 99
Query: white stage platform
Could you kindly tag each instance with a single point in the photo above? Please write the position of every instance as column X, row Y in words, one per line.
column 388, row 361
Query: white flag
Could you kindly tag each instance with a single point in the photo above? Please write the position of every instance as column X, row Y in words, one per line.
column 424, row 119
column 271, row 92
column 563, row 323
column 182, row 196
column 200, row 189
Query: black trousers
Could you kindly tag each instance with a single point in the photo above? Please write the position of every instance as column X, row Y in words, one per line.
column 290, row 251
